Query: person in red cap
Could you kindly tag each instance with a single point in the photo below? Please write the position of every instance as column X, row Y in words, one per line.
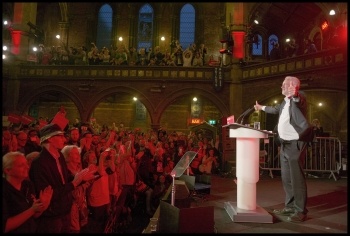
column 50, row 168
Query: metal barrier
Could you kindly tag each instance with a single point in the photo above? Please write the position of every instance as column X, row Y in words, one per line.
column 324, row 155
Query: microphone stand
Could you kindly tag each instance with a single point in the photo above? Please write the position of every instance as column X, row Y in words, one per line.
column 244, row 114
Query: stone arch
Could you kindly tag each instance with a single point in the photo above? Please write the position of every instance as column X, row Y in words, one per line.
column 27, row 101
column 197, row 91
column 96, row 99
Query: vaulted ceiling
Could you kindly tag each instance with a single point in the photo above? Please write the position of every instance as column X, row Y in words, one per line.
column 287, row 17
column 294, row 17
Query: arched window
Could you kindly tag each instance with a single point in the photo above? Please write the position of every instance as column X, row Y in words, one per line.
column 273, row 39
column 187, row 25
column 145, row 27
column 104, row 27
column 257, row 45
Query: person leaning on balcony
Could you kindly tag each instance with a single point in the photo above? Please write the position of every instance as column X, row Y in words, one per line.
column 198, row 59
column 291, row 48
column 310, row 46
column 275, row 53
column 132, row 56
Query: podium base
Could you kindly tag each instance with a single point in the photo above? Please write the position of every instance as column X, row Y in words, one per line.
column 259, row 215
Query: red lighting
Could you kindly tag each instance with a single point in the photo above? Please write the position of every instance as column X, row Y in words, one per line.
column 16, row 41
column 238, row 48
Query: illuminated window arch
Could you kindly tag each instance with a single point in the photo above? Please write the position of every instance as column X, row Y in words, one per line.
column 187, row 25
column 104, row 26
column 257, row 46
column 273, row 39
column 145, row 27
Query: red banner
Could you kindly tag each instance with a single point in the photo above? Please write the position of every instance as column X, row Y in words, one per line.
column 13, row 118
column 27, row 119
column 60, row 120
column 42, row 123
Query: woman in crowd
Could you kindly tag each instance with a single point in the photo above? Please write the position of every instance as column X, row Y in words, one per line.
column 79, row 211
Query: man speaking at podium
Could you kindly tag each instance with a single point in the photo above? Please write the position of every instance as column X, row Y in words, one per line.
column 294, row 133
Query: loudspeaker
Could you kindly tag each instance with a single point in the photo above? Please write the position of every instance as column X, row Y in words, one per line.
column 185, row 220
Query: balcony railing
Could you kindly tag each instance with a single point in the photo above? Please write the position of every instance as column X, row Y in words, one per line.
column 322, row 60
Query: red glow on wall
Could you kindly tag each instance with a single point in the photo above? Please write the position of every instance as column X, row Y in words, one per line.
column 16, row 41
column 324, row 25
column 238, row 39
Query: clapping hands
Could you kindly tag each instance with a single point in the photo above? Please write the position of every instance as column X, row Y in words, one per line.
column 45, row 197
column 84, row 175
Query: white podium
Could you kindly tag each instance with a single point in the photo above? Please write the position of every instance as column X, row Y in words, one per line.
column 247, row 173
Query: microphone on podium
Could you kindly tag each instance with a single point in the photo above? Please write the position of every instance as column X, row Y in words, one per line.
column 244, row 114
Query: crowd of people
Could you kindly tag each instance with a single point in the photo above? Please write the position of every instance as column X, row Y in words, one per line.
column 292, row 49
column 121, row 55
column 76, row 178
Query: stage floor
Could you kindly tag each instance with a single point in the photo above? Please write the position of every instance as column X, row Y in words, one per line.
column 327, row 205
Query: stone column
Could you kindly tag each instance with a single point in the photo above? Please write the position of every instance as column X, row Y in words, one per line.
column 24, row 12
column 64, row 26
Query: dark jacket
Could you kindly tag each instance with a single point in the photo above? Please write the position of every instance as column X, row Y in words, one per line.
column 297, row 111
column 44, row 172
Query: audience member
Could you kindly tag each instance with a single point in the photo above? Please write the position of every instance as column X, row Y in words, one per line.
column 132, row 56
column 203, row 51
column 178, row 53
column 209, row 160
column 318, row 129
column 22, row 138
column 291, row 48
column 160, row 189
column 187, row 57
column 33, row 142
column 275, row 53
column 9, row 142
column 20, row 205
column 310, row 46
column 32, row 156
column 50, row 168
column 98, row 195
column 79, row 211
column 74, row 137
column 143, row 159
column 198, row 59
column 197, row 161
column 142, row 58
